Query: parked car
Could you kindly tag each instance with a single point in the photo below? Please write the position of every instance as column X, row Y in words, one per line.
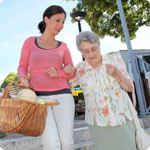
column 143, row 63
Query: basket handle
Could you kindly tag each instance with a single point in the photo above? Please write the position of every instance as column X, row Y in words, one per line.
column 6, row 91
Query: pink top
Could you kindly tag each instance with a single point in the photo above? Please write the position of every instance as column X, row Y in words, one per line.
column 37, row 61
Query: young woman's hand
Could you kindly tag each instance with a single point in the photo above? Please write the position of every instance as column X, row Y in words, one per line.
column 23, row 83
column 69, row 69
column 52, row 72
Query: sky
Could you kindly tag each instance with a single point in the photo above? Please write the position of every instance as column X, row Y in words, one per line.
column 19, row 20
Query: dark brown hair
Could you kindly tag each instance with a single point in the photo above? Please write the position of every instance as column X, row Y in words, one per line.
column 50, row 11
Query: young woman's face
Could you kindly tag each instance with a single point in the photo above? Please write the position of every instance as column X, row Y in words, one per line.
column 55, row 23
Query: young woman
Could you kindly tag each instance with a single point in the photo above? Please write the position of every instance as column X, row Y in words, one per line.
column 44, row 58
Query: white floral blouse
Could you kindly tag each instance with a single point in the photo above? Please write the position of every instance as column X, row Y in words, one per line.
column 106, row 102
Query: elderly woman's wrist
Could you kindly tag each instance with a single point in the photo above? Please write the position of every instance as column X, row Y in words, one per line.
column 120, row 79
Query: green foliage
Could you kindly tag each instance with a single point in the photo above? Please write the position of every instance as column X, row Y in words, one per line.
column 112, row 53
column 10, row 77
column 104, row 19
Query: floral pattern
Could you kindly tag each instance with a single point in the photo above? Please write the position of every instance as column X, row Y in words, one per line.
column 106, row 102
column 81, row 71
column 105, row 110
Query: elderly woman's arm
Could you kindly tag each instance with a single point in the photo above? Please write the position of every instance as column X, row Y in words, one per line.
column 73, row 82
column 123, row 81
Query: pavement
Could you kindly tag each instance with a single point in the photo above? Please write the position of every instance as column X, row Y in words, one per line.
column 81, row 136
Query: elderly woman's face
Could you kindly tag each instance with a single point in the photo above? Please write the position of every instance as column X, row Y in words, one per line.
column 91, row 52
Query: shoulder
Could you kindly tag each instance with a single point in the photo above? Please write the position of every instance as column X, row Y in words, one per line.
column 112, row 58
column 115, row 56
column 82, row 68
column 63, row 44
column 64, row 47
column 29, row 40
column 80, row 65
column 116, row 60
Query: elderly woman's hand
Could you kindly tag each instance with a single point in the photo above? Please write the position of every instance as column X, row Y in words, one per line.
column 124, row 82
column 113, row 71
column 69, row 69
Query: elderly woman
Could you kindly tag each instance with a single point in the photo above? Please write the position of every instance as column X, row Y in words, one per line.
column 105, row 83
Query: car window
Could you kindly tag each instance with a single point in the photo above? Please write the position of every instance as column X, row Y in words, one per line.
column 140, row 65
column 147, row 64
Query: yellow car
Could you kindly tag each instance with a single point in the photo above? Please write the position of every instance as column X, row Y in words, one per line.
column 76, row 91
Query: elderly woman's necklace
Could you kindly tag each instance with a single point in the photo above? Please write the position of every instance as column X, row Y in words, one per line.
column 97, row 65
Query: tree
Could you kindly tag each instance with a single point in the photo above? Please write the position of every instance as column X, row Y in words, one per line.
column 10, row 77
column 104, row 19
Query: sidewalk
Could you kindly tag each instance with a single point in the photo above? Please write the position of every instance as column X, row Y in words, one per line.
column 82, row 138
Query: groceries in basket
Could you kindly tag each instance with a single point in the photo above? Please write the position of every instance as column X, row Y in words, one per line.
column 29, row 95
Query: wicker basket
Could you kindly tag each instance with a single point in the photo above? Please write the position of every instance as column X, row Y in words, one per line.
column 20, row 116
